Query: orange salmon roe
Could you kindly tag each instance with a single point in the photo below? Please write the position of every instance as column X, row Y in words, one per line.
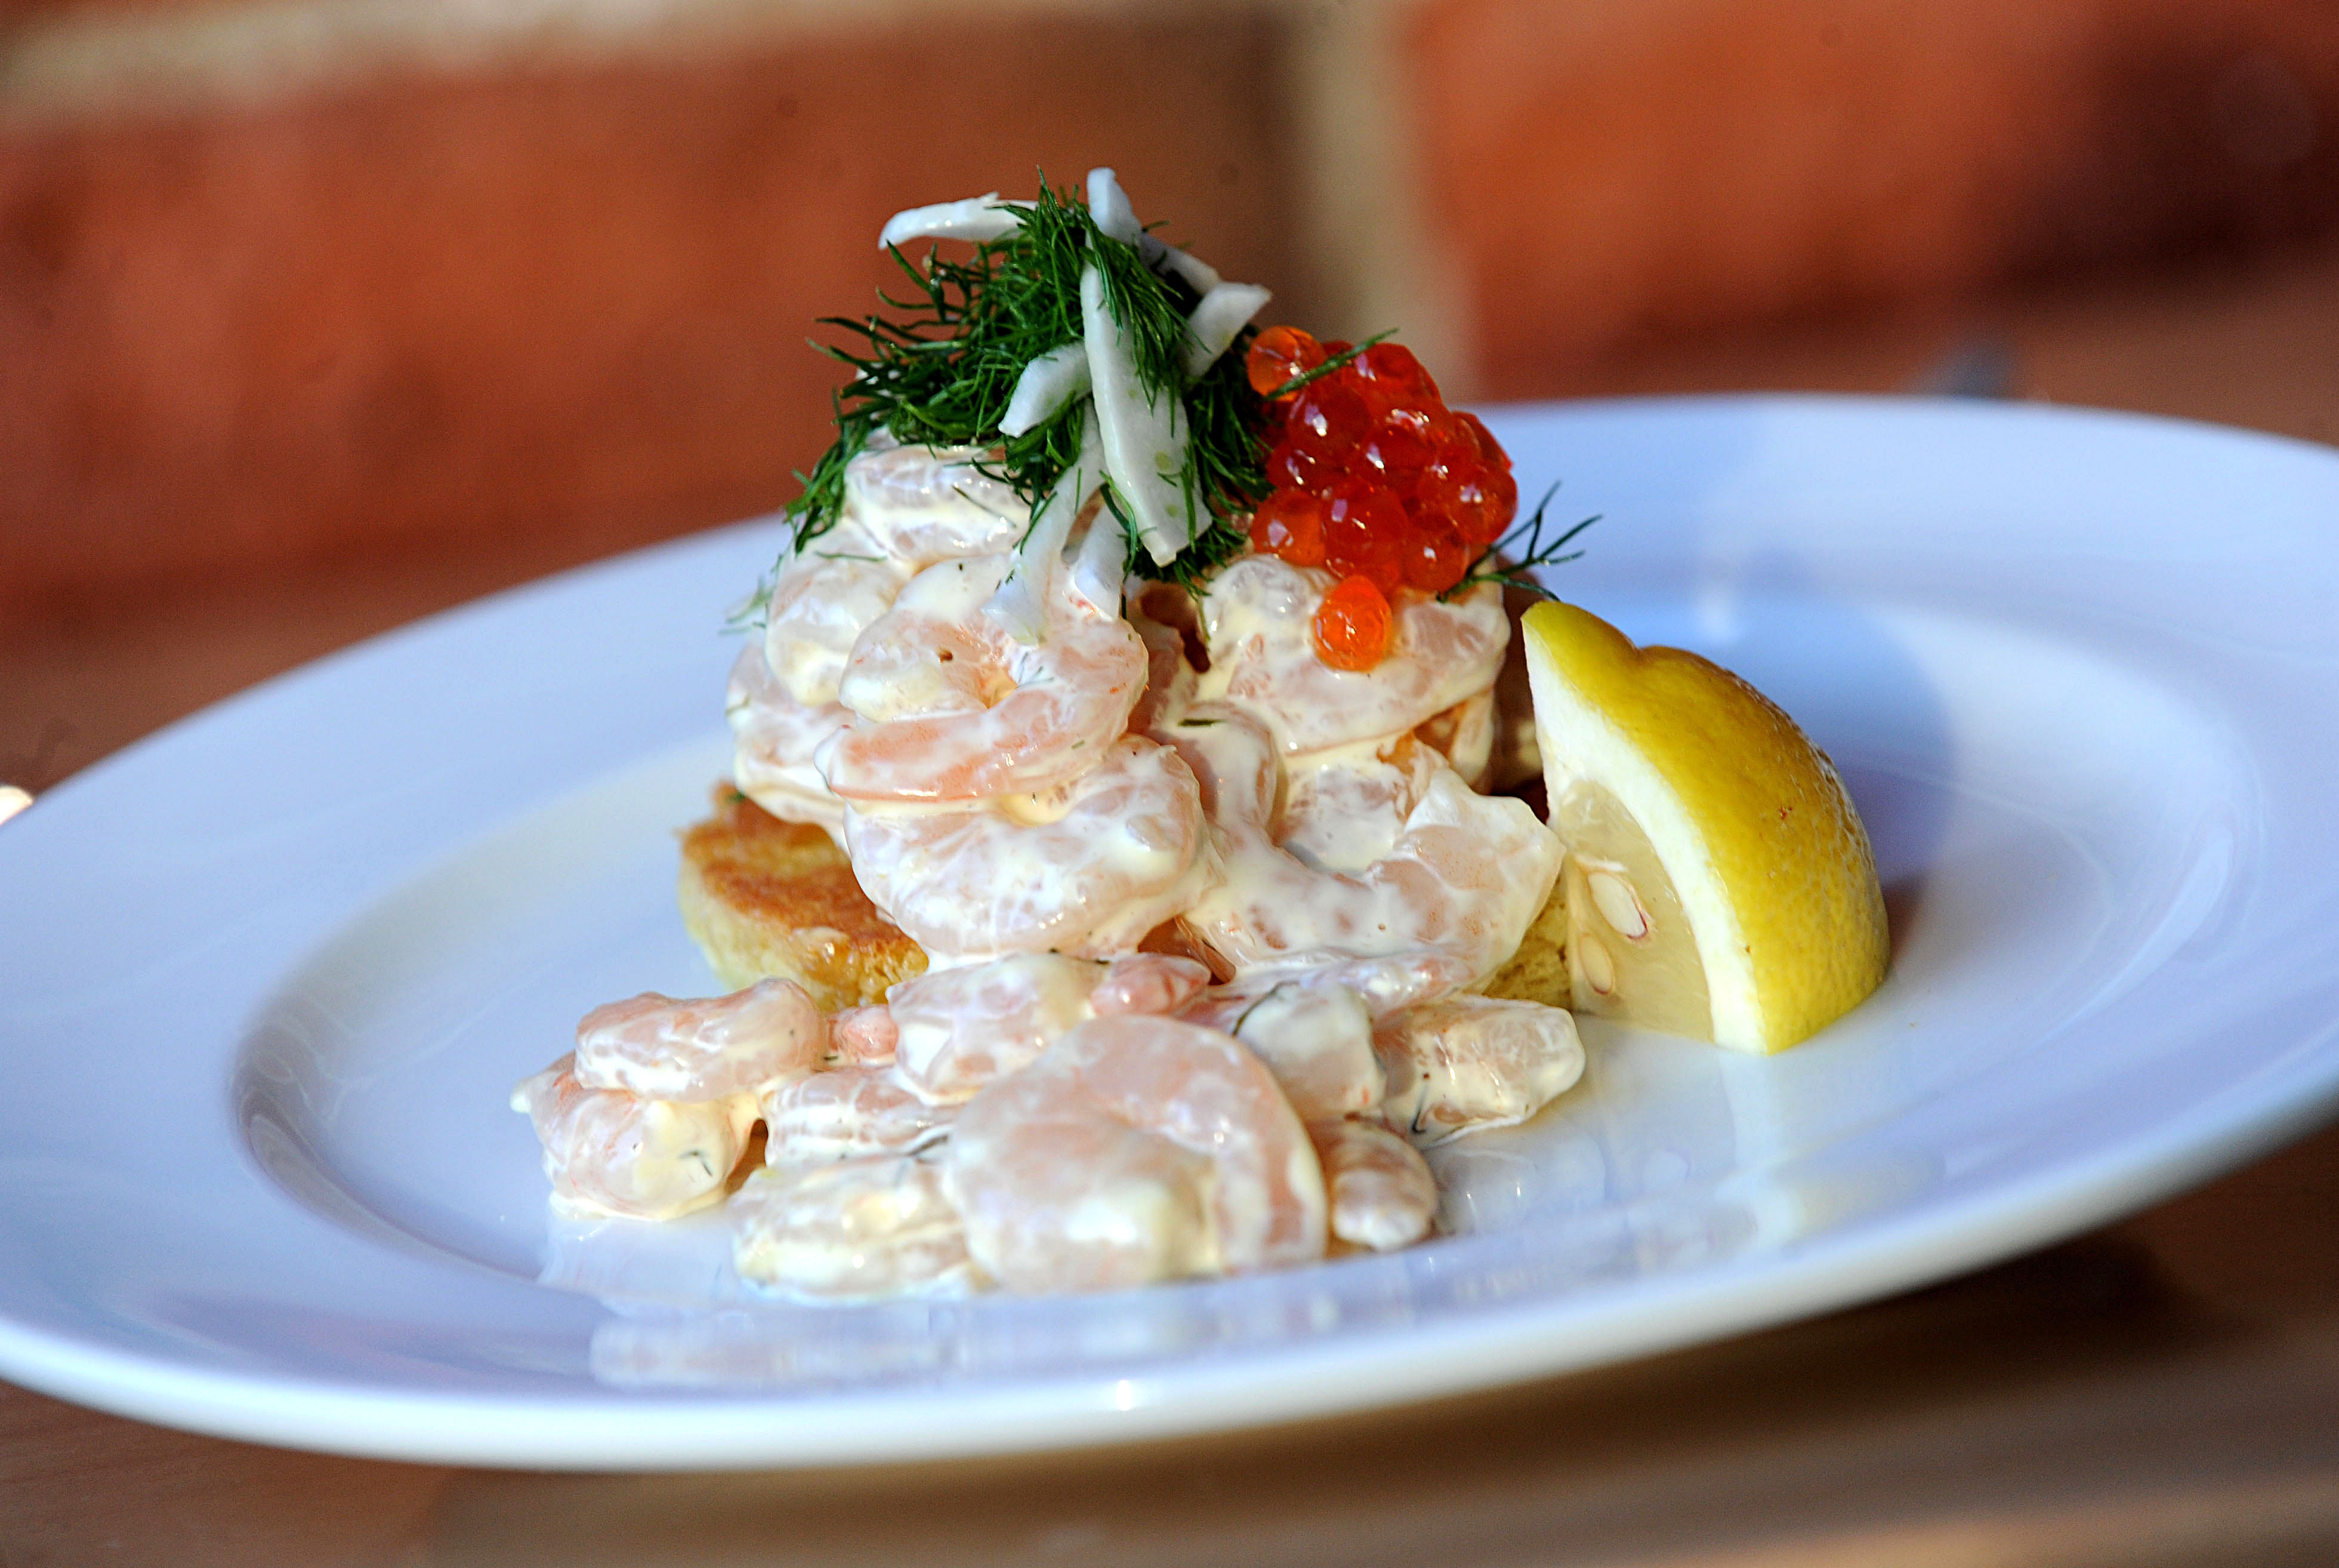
column 1290, row 524
column 1376, row 478
column 1352, row 626
column 1278, row 354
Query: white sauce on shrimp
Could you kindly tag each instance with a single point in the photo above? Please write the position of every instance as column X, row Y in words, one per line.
column 1032, row 784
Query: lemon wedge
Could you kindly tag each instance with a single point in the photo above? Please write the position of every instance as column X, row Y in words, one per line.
column 1718, row 883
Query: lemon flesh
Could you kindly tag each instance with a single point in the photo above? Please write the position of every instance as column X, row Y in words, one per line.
column 1718, row 883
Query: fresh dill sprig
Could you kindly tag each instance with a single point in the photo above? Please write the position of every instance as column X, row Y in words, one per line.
column 1226, row 469
column 941, row 367
column 749, row 613
column 1496, row 563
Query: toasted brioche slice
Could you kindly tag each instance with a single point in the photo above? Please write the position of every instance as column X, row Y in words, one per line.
column 762, row 898
column 766, row 898
column 1537, row 972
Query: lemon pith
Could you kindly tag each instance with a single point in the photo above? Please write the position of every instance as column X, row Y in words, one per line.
column 1621, row 905
column 1704, row 807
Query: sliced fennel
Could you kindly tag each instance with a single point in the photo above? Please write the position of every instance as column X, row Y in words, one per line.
column 1047, row 384
column 1224, row 311
column 1142, row 404
column 1108, row 205
column 1100, row 561
column 1020, row 605
column 1144, row 433
column 977, row 218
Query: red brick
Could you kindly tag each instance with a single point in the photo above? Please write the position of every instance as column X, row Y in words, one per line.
column 566, row 302
column 1610, row 175
column 19, row 12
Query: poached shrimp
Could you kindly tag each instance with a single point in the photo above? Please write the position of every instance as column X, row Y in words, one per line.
column 1259, row 621
column 774, row 740
column 1152, row 983
column 1381, row 1191
column 852, row 1231
column 957, row 1030
column 924, row 505
column 845, row 1113
column 948, row 706
column 701, row 1048
column 1135, row 1149
column 1087, row 869
column 1464, row 736
column 782, row 701
column 907, row 509
column 862, row 1037
column 819, row 608
column 1466, row 1062
column 1383, row 985
column 609, row 1152
column 1317, row 1040
column 1450, row 872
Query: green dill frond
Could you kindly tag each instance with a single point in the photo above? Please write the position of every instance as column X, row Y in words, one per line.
column 1226, row 430
column 941, row 365
column 1339, row 361
column 1222, row 541
column 1512, row 560
column 748, row 613
column 1148, row 309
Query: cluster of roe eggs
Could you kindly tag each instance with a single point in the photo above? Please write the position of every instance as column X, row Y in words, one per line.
column 1375, row 479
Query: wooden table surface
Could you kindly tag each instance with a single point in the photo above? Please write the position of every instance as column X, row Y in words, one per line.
column 2163, row 1391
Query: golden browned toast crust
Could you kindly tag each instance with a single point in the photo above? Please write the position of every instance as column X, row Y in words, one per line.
column 762, row 898
column 1538, row 971
column 766, row 898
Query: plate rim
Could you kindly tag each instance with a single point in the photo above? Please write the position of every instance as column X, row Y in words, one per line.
column 721, row 1431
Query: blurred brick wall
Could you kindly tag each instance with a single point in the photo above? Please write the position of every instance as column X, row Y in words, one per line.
column 572, row 300
column 1613, row 174
column 546, row 294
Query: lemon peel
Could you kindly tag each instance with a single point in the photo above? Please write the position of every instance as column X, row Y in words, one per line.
column 1688, row 799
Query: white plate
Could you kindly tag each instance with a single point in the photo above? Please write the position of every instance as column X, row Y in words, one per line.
column 265, row 978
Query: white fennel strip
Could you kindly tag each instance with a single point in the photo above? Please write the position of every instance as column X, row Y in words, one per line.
column 1047, row 384
column 1215, row 322
column 1020, row 606
column 976, row 219
column 1199, row 275
column 1100, row 562
column 1144, row 431
column 1108, row 205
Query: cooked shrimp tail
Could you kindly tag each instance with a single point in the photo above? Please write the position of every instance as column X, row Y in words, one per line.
column 609, row 1152
column 1381, row 1190
column 1469, row 1063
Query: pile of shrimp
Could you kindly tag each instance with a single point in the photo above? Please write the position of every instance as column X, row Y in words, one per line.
column 1206, row 919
